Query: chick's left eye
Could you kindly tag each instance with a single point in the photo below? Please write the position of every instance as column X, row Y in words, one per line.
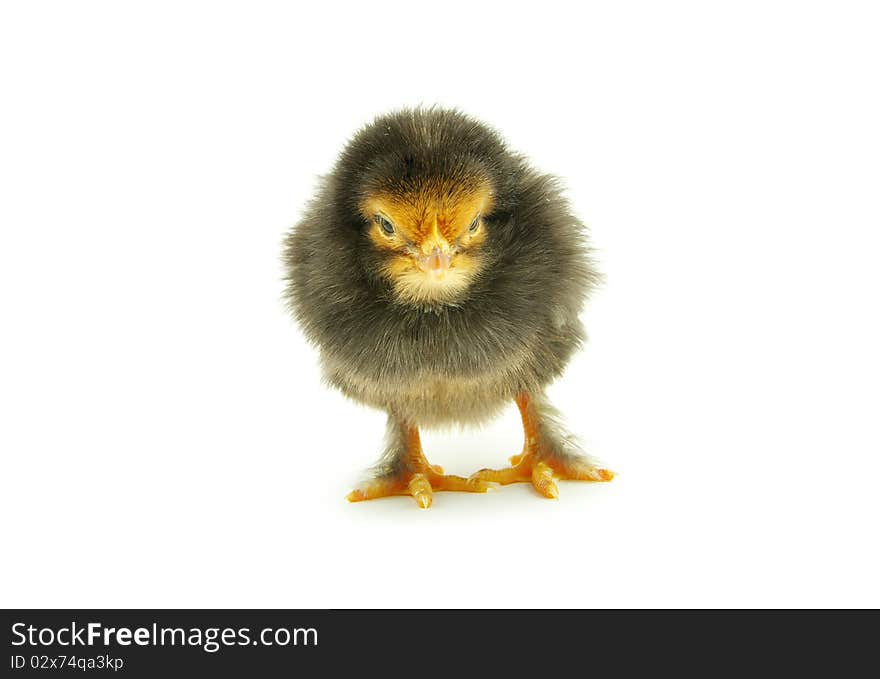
column 474, row 225
column 387, row 226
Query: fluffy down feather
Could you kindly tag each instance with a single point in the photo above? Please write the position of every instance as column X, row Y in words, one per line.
column 515, row 327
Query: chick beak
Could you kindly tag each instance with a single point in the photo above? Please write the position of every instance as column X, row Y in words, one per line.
column 435, row 264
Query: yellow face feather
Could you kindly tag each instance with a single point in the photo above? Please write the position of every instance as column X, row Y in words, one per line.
column 432, row 238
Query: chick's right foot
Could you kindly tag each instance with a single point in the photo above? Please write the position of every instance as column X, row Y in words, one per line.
column 420, row 485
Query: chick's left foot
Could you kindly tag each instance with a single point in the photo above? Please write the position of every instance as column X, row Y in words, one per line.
column 543, row 470
column 421, row 485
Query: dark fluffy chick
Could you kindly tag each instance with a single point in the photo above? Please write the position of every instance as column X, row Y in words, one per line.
column 441, row 278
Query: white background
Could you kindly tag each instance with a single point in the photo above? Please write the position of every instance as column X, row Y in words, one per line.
column 165, row 438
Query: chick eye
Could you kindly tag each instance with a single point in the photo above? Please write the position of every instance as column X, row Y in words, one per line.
column 474, row 225
column 387, row 226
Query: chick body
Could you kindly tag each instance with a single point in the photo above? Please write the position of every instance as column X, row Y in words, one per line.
column 460, row 356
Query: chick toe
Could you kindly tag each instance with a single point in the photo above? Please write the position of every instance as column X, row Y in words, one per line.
column 542, row 470
column 421, row 486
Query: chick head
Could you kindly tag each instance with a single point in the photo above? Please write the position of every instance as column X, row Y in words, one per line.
column 424, row 212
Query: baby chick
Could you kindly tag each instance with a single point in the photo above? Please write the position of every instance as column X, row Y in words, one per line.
column 441, row 278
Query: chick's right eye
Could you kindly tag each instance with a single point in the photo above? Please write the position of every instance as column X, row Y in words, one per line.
column 387, row 226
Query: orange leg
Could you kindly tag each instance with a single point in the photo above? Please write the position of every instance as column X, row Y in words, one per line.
column 539, row 462
column 415, row 477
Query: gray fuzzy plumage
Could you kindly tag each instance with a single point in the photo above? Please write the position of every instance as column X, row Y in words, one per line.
column 515, row 328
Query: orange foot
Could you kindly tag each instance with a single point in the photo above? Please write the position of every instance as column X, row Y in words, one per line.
column 538, row 464
column 417, row 477
column 540, row 472
column 420, row 485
